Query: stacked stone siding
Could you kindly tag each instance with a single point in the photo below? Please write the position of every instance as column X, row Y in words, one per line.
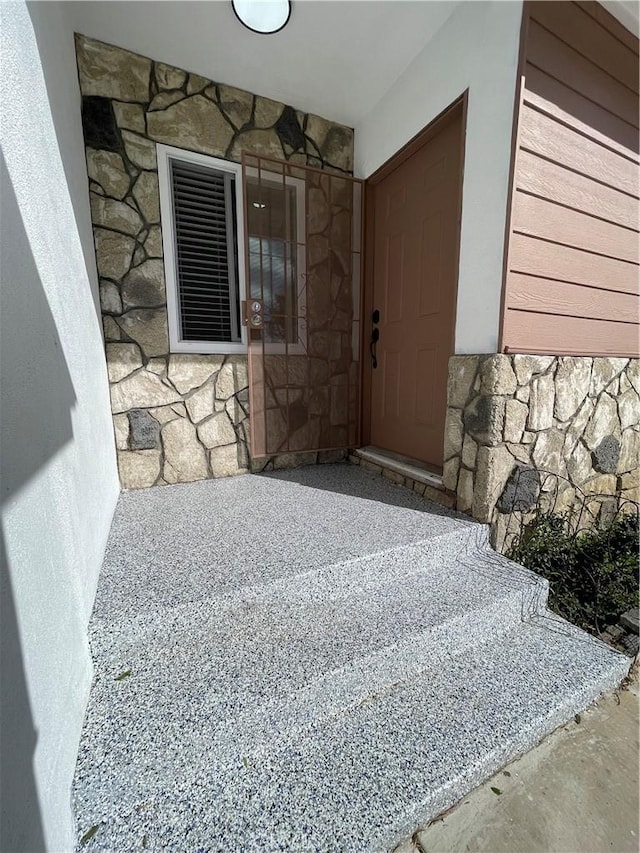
column 509, row 416
column 177, row 418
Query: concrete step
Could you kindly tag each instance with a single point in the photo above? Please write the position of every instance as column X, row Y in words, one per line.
column 363, row 776
column 182, row 544
column 287, row 655
column 317, row 661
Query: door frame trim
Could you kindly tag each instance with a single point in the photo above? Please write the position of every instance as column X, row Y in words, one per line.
column 422, row 138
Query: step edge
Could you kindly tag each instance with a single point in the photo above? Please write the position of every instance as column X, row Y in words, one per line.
column 585, row 696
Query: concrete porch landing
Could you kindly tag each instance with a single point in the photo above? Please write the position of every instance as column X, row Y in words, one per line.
column 318, row 661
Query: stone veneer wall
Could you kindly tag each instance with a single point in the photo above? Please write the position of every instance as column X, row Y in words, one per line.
column 576, row 417
column 177, row 418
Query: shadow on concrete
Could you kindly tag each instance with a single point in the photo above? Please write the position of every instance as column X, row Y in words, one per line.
column 36, row 398
column 347, row 479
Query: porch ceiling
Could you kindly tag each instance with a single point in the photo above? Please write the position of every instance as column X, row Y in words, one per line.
column 335, row 59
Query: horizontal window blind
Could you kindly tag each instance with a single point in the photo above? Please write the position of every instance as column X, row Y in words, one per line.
column 205, row 250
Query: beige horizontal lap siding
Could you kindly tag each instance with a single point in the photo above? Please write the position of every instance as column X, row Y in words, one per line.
column 572, row 274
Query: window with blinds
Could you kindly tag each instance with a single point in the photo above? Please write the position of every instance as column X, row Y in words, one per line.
column 205, row 252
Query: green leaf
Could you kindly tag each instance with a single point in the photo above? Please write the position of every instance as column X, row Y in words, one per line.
column 245, row 761
column 145, row 841
column 496, row 791
column 123, row 675
column 89, row 834
column 577, row 718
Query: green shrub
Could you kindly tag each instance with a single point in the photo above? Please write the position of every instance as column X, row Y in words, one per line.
column 593, row 574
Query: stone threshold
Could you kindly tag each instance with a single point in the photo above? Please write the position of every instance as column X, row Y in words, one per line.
column 405, row 472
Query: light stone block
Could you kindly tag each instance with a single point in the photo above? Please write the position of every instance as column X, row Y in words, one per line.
column 573, row 379
column 107, row 169
column 121, row 431
column 604, row 370
column 604, row 421
column 629, row 409
column 197, row 123
column 497, row 376
column 267, row 112
column 110, row 301
column 526, row 366
column 184, row 456
column 148, row 327
column 541, row 403
column 122, row 360
column 469, row 452
column 138, row 469
column 633, row 373
column 548, row 452
column 217, row 431
column 236, row 105
column 129, row 116
column 111, row 329
column 153, row 242
column 168, row 77
column 515, row 419
column 462, row 373
column 141, row 390
column 113, row 253
column 464, row 501
column 453, row 432
column 115, row 215
column 147, row 196
column 200, row 403
column 111, row 72
column 164, row 99
column 629, row 451
column 224, row 461
column 264, row 143
column 196, row 84
column 187, row 372
column 579, row 465
column 493, row 468
column 140, row 150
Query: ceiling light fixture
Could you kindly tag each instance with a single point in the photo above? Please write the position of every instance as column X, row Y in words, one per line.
column 262, row 16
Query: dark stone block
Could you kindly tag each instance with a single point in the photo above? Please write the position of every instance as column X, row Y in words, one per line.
column 478, row 417
column 99, row 124
column 521, row 491
column 631, row 620
column 144, row 430
column 606, row 455
column 289, row 130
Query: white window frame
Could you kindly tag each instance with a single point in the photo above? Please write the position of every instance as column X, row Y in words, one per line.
column 165, row 154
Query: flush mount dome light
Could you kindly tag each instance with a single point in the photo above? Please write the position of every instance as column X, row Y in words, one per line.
column 262, row 16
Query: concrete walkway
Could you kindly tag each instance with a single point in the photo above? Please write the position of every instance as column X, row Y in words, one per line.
column 312, row 661
column 576, row 792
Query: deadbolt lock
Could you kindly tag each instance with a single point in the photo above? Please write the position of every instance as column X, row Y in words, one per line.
column 253, row 309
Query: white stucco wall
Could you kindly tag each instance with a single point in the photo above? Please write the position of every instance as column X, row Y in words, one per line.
column 476, row 49
column 58, row 480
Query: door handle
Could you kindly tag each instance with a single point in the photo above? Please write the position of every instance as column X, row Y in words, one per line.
column 375, row 337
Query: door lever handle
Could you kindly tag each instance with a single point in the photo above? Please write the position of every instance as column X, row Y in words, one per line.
column 375, row 337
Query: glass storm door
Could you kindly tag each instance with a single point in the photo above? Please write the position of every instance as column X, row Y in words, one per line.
column 302, row 241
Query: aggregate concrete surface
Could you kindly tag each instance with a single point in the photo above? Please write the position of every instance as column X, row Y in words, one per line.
column 314, row 660
column 576, row 792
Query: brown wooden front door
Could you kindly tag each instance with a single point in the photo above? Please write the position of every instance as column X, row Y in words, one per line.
column 416, row 209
